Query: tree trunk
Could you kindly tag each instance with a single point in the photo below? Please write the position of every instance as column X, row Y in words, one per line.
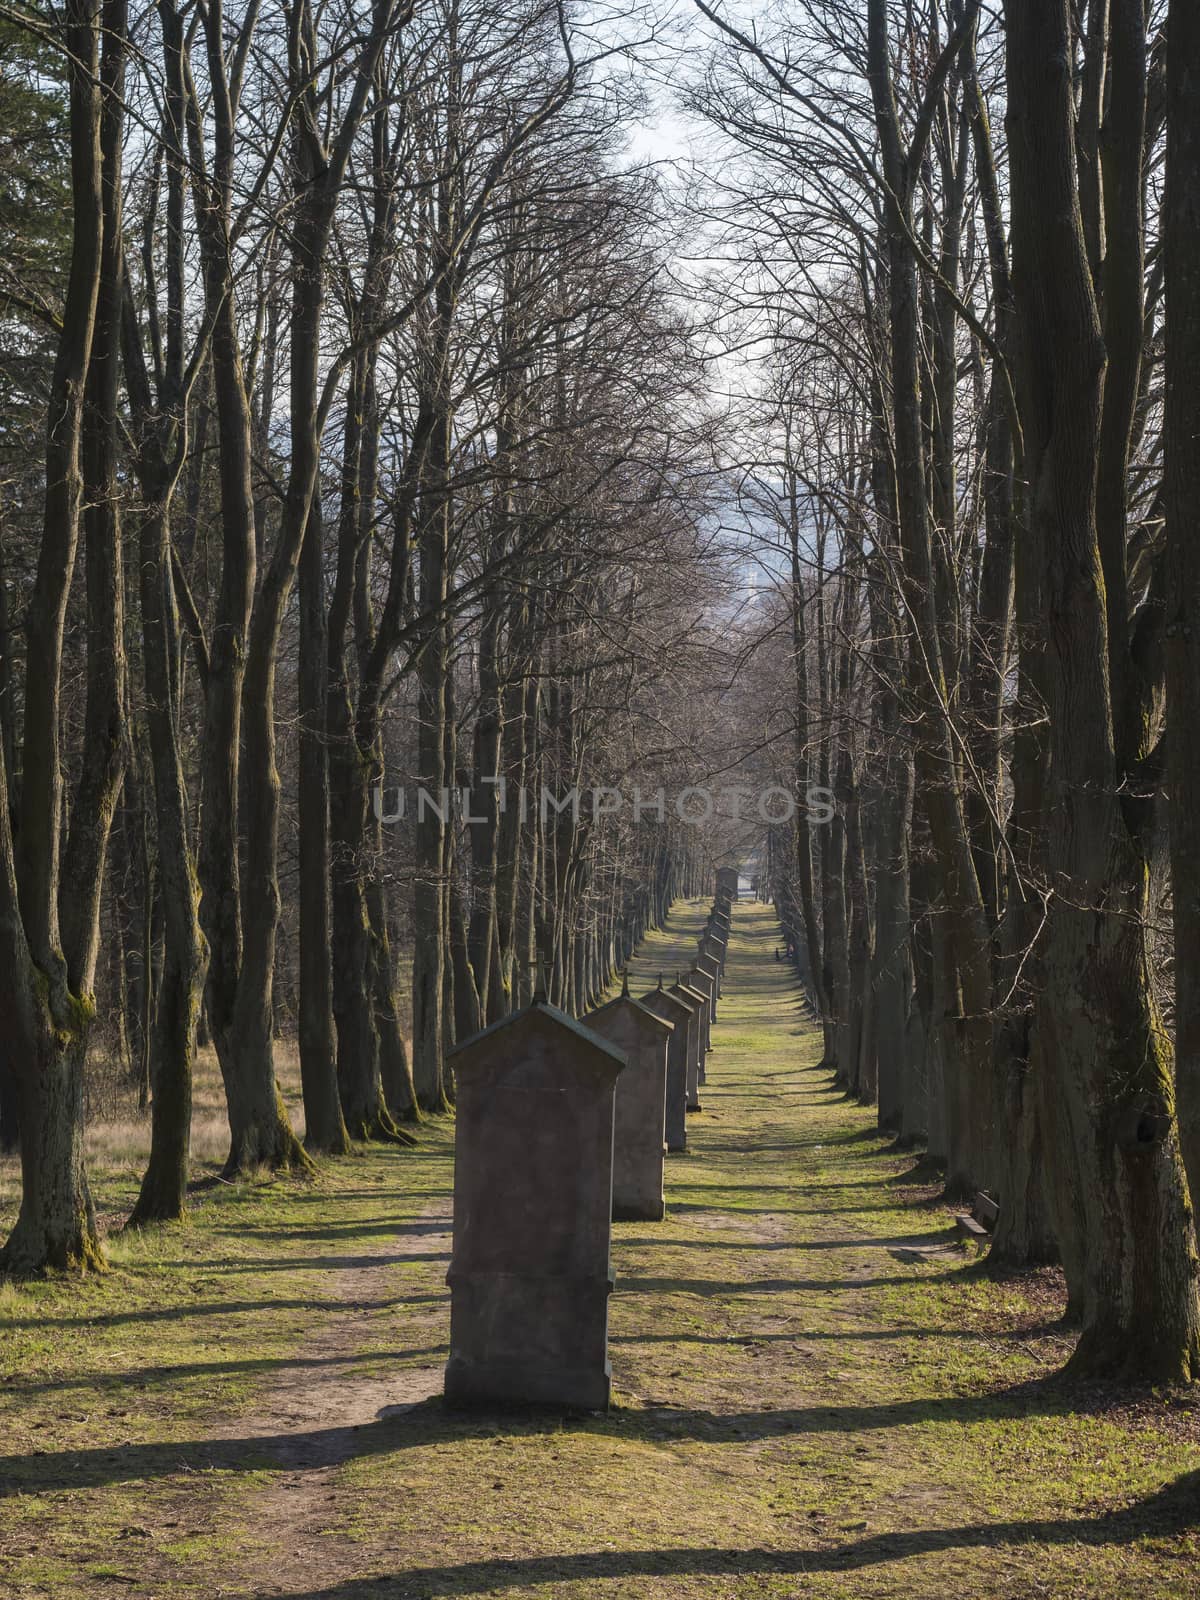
column 395, row 1071
column 48, row 1023
column 1182, row 497
column 936, row 756
column 431, row 933
column 324, row 1128
column 1104, row 1062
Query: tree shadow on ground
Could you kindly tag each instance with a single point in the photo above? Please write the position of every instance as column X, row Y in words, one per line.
column 674, row 1206
column 316, row 1263
column 805, row 1336
column 388, row 1227
column 937, row 1236
column 429, row 1423
column 145, row 1377
column 225, row 1308
column 733, row 1289
column 1170, row 1511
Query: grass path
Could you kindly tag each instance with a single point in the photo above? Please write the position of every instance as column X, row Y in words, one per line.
column 816, row 1394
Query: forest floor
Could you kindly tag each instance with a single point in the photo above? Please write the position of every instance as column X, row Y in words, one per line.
column 815, row 1391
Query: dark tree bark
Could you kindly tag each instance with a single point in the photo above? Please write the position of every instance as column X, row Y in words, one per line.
column 430, row 901
column 324, row 1125
column 1103, row 1060
column 240, row 974
column 971, row 1150
column 160, row 437
column 1181, row 244
column 44, row 986
column 319, row 170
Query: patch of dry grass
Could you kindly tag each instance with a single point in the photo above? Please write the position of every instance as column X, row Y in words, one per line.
column 117, row 1135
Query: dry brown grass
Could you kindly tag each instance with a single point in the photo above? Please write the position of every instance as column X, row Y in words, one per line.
column 117, row 1134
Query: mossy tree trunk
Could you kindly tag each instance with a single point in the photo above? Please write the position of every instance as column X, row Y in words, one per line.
column 805, row 891
column 1182, row 502
column 395, row 1069
column 431, row 941
column 239, row 979
column 159, row 438
column 971, row 1098
column 241, row 906
column 56, row 1225
column 320, row 159
column 49, row 907
column 1102, row 1055
column 373, row 1078
column 185, row 949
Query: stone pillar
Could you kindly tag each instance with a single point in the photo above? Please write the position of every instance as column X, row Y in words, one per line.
column 707, row 962
column 697, row 1038
column 643, row 1038
column 698, row 983
column 680, row 1050
column 727, row 883
column 704, row 982
column 529, row 1273
column 702, row 975
column 714, row 945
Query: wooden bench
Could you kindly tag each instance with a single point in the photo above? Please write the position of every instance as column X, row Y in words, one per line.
column 980, row 1221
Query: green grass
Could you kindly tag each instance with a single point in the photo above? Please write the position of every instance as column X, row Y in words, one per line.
column 798, row 1412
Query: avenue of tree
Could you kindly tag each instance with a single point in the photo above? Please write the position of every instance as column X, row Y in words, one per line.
column 374, row 421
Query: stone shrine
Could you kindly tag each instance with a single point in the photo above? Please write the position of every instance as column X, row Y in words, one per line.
column 530, row 1273
column 713, row 945
column 703, row 977
column 697, row 1037
column 643, row 1037
column 727, row 883
column 677, row 1011
column 709, row 965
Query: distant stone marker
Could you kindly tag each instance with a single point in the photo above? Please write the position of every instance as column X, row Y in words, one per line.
column 677, row 1011
column 702, row 978
column 727, row 883
column 711, row 967
column 702, row 975
column 644, row 1038
column 713, row 945
column 530, row 1273
column 697, row 1038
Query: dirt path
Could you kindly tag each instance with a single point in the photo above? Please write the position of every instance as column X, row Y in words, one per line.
column 807, row 1402
column 314, row 1426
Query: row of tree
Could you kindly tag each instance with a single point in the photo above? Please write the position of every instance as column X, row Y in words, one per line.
column 375, row 457
column 968, row 247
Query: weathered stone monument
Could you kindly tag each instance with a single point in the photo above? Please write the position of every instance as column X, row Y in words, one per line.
column 643, row 1037
column 529, row 1273
column 704, row 982
column 697, row 1037
column 727, row 882
column 707, row 962
column 714, row 945
column 703, row 976
column 698, row 984
column 675, row 1010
